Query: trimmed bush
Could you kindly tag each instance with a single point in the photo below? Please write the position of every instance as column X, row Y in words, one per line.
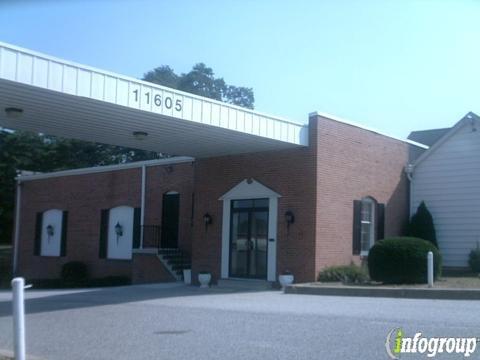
column 349, row 274
column 474, row 260
column 74, row 273
column 421, row 225
column 402, row 260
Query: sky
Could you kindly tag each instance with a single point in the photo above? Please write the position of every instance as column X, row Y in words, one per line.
column 395, row 66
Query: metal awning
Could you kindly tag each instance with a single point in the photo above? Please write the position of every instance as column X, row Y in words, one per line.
column 62, row 98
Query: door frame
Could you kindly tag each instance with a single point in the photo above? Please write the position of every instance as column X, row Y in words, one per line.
column 250, row 189
column 249, row 211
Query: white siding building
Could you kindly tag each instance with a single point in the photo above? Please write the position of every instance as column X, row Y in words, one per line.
column 447, row 178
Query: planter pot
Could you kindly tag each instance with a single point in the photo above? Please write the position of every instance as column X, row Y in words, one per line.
column 285, row 280
column 204, row 279
column 187, row 276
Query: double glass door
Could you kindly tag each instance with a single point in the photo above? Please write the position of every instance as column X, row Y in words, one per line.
column 249, row 238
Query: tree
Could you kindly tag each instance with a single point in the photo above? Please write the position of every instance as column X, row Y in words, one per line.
column 163, row 75
column 201, row 81
column 21, row 150
column 421, row 225
column 36, row 152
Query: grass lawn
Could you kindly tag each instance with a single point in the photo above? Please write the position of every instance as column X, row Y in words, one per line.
column 451, row 281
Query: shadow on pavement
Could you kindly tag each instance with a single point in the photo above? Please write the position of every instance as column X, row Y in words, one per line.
column 108, row 296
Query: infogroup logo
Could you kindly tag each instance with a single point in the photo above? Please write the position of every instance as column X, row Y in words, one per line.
column 397, row 344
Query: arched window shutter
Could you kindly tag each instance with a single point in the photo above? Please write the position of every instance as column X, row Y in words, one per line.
column 103, row 233
column 380, row 222
column 357, row 227
column 63, row 244
column 38, row 234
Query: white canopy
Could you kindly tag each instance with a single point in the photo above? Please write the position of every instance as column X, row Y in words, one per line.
column 62, row 98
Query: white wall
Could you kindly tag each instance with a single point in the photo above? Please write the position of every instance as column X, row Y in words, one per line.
column 50, row 245
column 449, row 182
column 120, row 247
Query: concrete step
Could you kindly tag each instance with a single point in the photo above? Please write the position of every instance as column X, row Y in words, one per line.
column 245, row 284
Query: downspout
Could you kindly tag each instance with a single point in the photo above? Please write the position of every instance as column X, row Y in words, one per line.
column 17, row 227
column 409, row 171
column 142, row 206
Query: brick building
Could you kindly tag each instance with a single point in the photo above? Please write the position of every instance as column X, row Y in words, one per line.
column 252, row 195
column 228, row 215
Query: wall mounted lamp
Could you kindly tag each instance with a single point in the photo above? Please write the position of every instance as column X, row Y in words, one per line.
column 50, row 231
column 289, row 218
column 118, row 230
column 207, row 219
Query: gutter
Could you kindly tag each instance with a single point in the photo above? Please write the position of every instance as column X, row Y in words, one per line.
column 409, row 171
column 142, row 206
column 16, row 240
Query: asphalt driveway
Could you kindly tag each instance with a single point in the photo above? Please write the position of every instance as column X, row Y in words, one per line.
column 171, row 321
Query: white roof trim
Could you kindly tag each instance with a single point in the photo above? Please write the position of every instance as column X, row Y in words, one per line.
column 107, row 168
column 466, row 120
column 146, row 83
column 249, row 189
column 70, row 100
column 352, row 123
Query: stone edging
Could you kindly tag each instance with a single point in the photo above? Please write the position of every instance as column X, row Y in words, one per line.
column 389, row 292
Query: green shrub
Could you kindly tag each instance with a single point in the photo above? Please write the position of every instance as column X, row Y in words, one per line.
column 474, row 260
column 350, row 274
column 421, row 225
column 402, row 260
column 74, row 273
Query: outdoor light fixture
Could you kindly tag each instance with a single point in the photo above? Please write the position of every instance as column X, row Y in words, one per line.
column 289, row 218
column 50, row 230
column 13, row 112
column 140, row 135
column 118, row 230
column 207, row 219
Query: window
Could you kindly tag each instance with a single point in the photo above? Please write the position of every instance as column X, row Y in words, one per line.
column 367, row 225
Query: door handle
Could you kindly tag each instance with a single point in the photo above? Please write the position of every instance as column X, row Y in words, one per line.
column 271, row 240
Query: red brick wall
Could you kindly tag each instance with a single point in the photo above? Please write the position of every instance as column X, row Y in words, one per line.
column 318, row 183
column 84, row 196
column 291, row 173
column 148, row 269
column 354, row 163
column 162, row 179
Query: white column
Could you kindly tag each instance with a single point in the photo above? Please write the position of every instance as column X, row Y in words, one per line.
column 430, row 268
column 18, row 286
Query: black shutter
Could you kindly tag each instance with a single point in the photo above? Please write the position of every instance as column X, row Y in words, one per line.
column 357, row 227
column 136, row 228
column 63, row 243
column 380, row 222
column 38, row 234
column 102, row 253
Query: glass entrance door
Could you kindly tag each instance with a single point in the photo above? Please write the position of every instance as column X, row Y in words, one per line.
column 249, row 238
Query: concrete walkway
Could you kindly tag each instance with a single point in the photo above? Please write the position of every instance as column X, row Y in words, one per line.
column 173, row 321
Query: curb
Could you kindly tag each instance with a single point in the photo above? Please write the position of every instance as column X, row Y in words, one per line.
column 406, row 293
